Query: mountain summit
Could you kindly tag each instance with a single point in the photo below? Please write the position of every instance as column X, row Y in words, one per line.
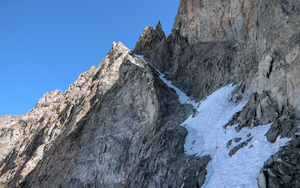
column 129, row 121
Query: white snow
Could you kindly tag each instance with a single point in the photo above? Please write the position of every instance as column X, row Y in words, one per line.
column 240, row 170
column 183, row 98
column 205, row 131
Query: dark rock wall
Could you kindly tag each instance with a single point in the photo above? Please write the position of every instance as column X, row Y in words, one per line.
column 197, row 69
column 282, row 169
column 254, row 44
column 254, row 30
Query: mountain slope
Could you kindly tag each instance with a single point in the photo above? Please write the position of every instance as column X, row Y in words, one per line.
column 116, row 118
column 126, row 122
column 236, row 157
column 254, row 44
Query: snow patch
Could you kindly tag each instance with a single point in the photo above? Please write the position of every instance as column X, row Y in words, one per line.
column 205, row 131
column 183, row 98
column 242, row 169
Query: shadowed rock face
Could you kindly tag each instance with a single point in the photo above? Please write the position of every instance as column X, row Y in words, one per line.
column 282, row 169
column 254, row 44
column 117, row 125
column 198, row 69
column 116, row 121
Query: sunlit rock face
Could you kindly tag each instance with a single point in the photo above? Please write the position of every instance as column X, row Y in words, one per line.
column 118, row 124
column 252, row 43
column 267, row 33
column 262, row 22
column 117, row 119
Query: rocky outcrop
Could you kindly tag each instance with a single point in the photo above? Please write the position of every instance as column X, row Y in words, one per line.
column 259, row 37
column 255, row 53
column 241, row 145
column 5, row 119
column 265, row 32
column 261, row 24
column 197, row 69
column 282, row 169
column 13, row 128
column 260, row 110
column 117, row 125
column 254, row 44
column 8, row 134
column 258, row 27
column 208, row 21
column 278, row 73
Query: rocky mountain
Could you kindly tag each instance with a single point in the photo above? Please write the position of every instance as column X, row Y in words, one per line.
column 120, row 125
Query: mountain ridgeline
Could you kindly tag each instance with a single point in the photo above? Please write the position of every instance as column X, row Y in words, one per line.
column 119, row 124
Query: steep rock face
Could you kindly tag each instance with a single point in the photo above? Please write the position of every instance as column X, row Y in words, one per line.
column 13, row 128
column 259, row 32
column 278, row 73
column 209, row 20
column 266, row 32
column 261, row 22
column 117, row 120
column 118, row 124
column 198, row 69
column 31, row 135
column 258, row 49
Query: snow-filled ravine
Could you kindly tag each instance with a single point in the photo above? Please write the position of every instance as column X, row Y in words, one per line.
column 241, row 169
column 206, row 136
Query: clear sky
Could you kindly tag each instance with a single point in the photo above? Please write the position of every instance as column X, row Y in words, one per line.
column 46, row 44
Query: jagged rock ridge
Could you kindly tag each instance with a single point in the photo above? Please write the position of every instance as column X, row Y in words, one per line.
column 114, row 122
column 254, row 44
column 118, row 124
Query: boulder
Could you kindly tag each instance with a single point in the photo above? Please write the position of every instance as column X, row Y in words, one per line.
column 262, row 180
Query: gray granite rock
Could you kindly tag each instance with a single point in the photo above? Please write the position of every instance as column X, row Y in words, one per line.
column 117, row 125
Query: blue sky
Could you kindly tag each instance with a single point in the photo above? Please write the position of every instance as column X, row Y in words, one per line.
column 46, row 44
